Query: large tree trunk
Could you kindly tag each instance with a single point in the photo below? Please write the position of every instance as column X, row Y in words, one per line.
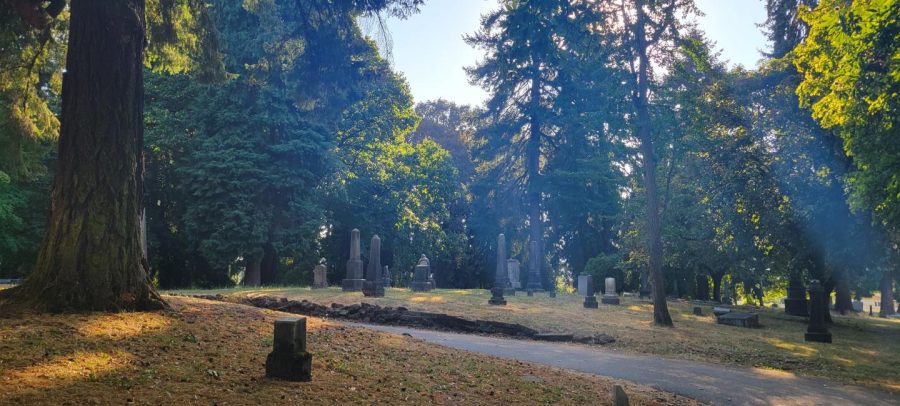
column 702, row 286
column 252, row 265
column 533, row 168
column 268, row 266
column 91, row 258
column 654, row 238
column 717, row 285
column 843, row 301
column 887, row 294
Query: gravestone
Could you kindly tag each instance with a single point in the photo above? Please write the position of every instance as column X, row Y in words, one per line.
column 512, row 268
column 320, row 277
column 501, row 276
column 386, row 277
column 529, row 292
column 420, row 275
column 610, row 296
column 698, row 311
column 534, row 267
column 373, row 286
column 795, row 303
column 354, row 280
column 857, row 306
column 619, row 396
column 738, row 319
column 817, row 330
column 586, row 289
column 718, row 311
column 289, row 359
column 726, row 296
column 431, row 282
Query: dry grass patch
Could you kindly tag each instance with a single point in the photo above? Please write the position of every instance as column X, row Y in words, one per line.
column 866, row 351
column 206, row 352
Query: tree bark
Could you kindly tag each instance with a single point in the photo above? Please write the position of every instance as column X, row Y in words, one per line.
column 533, row 168
column 252, row 265
column 843, row 301
column 268, row 266
column 887, row 294
column 91, row 257
column 654, row 238
column 717, row 285
column 702, row 286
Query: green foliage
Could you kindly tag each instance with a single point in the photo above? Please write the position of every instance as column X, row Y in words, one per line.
column 851, row 69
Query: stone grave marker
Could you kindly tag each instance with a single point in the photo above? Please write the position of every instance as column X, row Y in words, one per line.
column 420, row 275
column 610, row 296
column 512, row 268
column 320, row 276
column 698, row 311
column 817, row 330
column 501, row 276
column 289, row 359
column 586, row 289
column 354, row 280
column 386, row 277
column 373, row 286
column 738, row 319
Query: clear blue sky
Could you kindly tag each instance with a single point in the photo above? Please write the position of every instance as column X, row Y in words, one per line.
column 429, row 48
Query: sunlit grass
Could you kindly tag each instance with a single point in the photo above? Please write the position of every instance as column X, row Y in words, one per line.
column 865, row 350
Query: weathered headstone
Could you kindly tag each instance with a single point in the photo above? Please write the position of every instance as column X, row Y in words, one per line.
column 501, row 277
column 320, row 277
column 289, row 359
column 857, row 306
column 373, row 287
column 535, row 260
column 512, row 268
column 698, row 311
column 817, row 330
column 354, row 280
column 795, row 303
column 619, row 396
column 431, row 281
column 738, row 319
column 586, row 289
column 420, row 275
column 529, row 292
column 610, row 296
column 386, row 277
column 726, row 296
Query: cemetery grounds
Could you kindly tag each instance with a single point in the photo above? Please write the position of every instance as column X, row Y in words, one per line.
column 205, row 352
column 865, row 352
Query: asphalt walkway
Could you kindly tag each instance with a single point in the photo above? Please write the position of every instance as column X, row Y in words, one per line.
column 709, row 383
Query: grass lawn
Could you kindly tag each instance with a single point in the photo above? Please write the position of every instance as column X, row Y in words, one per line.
column 205, row 352
column 866, row 351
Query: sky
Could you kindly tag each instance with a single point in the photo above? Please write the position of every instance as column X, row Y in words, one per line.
column 428, row 47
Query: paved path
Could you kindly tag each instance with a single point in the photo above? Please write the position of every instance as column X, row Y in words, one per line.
column 709, row 383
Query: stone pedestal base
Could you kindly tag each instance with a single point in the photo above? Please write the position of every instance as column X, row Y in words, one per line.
column 320, row 286
column 818, row 337
column 796, row 307
column 420, row 286
column 497, row 297
column 373, row 289
column 610, row 300
column 296, row 367
column 352, row 285
column 590, row 302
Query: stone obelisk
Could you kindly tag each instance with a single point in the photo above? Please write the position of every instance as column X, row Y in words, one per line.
column 354, row 280
column 501, row 277
column 373, row 285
